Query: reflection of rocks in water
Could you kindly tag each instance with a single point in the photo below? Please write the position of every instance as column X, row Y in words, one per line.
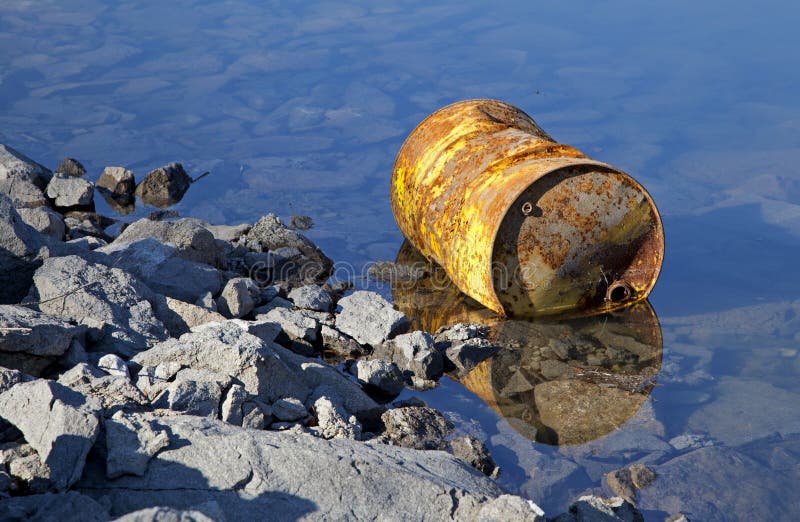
column 119, row 203
column 565, row 381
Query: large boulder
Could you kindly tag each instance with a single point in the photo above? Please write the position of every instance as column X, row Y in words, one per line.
column 193, row 241
column 35, row 333
column 110, row 301
column 163, row 269
column 263, row 475
column 369, row 318
column 59, row 423
column 20, row 253
column 15, row 165
column 164, row 186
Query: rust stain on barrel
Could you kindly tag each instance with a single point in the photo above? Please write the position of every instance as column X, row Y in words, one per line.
column 459, row 185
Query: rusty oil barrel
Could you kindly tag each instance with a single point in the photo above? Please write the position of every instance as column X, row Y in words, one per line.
column 522, row 224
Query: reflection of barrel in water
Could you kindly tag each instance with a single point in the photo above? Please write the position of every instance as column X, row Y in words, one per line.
column 565, row 381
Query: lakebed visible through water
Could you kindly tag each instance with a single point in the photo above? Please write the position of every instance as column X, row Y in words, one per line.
column 300, row 109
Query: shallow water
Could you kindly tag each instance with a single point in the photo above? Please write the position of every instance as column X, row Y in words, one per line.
column 301, row 108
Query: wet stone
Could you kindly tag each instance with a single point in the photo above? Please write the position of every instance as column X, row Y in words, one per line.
column 164, row 186
column 71, row 167
column 118, row 181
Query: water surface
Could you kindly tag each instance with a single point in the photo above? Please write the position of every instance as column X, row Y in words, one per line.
column 299, row 108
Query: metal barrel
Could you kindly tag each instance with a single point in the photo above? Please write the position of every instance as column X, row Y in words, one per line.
column 522, row 224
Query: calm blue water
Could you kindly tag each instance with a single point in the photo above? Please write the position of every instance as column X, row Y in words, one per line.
column 301, row 107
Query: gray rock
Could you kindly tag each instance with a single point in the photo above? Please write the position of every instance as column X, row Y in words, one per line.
column 417, row 427
column 71, row 167
column 509, row 507
column 270, row 234
column 275, row 302
column 262, row 368
column 24, row 467
column 59, row 423
column 460, row 332
column 289, row 409
column 465, row 355
column 20, row 252
column 74, row 355
column 51, row 507
column 10, row 377
column 311, row 297
column 23, row 194
column 80, row 373
column 194, row 392
column 382, row 375
column 164, row 186
column 162, row 268
column 180, row 317
column 475, row 453
column 246, row 473
column 230, row 233
column 256, row 415
column 206, row 301
column 326, row 380
column 88, row 242
column 415, row 352
column 117, row 180
column 15, row 165
column 107, row 300
column 340, row 343
column 368, row 318
column 47, row 222
column 192, row 240
column 131, row 441
column 113, row 365
column 112, row 392
column 334, row 421
column 231, row 409
column 35, row 333
column 265, row 330
column 238, row 297
column 294, row 324
column 68, row 191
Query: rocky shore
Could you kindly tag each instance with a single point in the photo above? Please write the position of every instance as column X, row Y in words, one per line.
column 171, row 369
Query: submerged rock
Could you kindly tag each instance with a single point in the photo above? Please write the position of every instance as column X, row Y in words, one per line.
column 164, row 186
column 71, row 167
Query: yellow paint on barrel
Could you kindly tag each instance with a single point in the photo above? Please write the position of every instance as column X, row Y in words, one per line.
column 520, row 223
